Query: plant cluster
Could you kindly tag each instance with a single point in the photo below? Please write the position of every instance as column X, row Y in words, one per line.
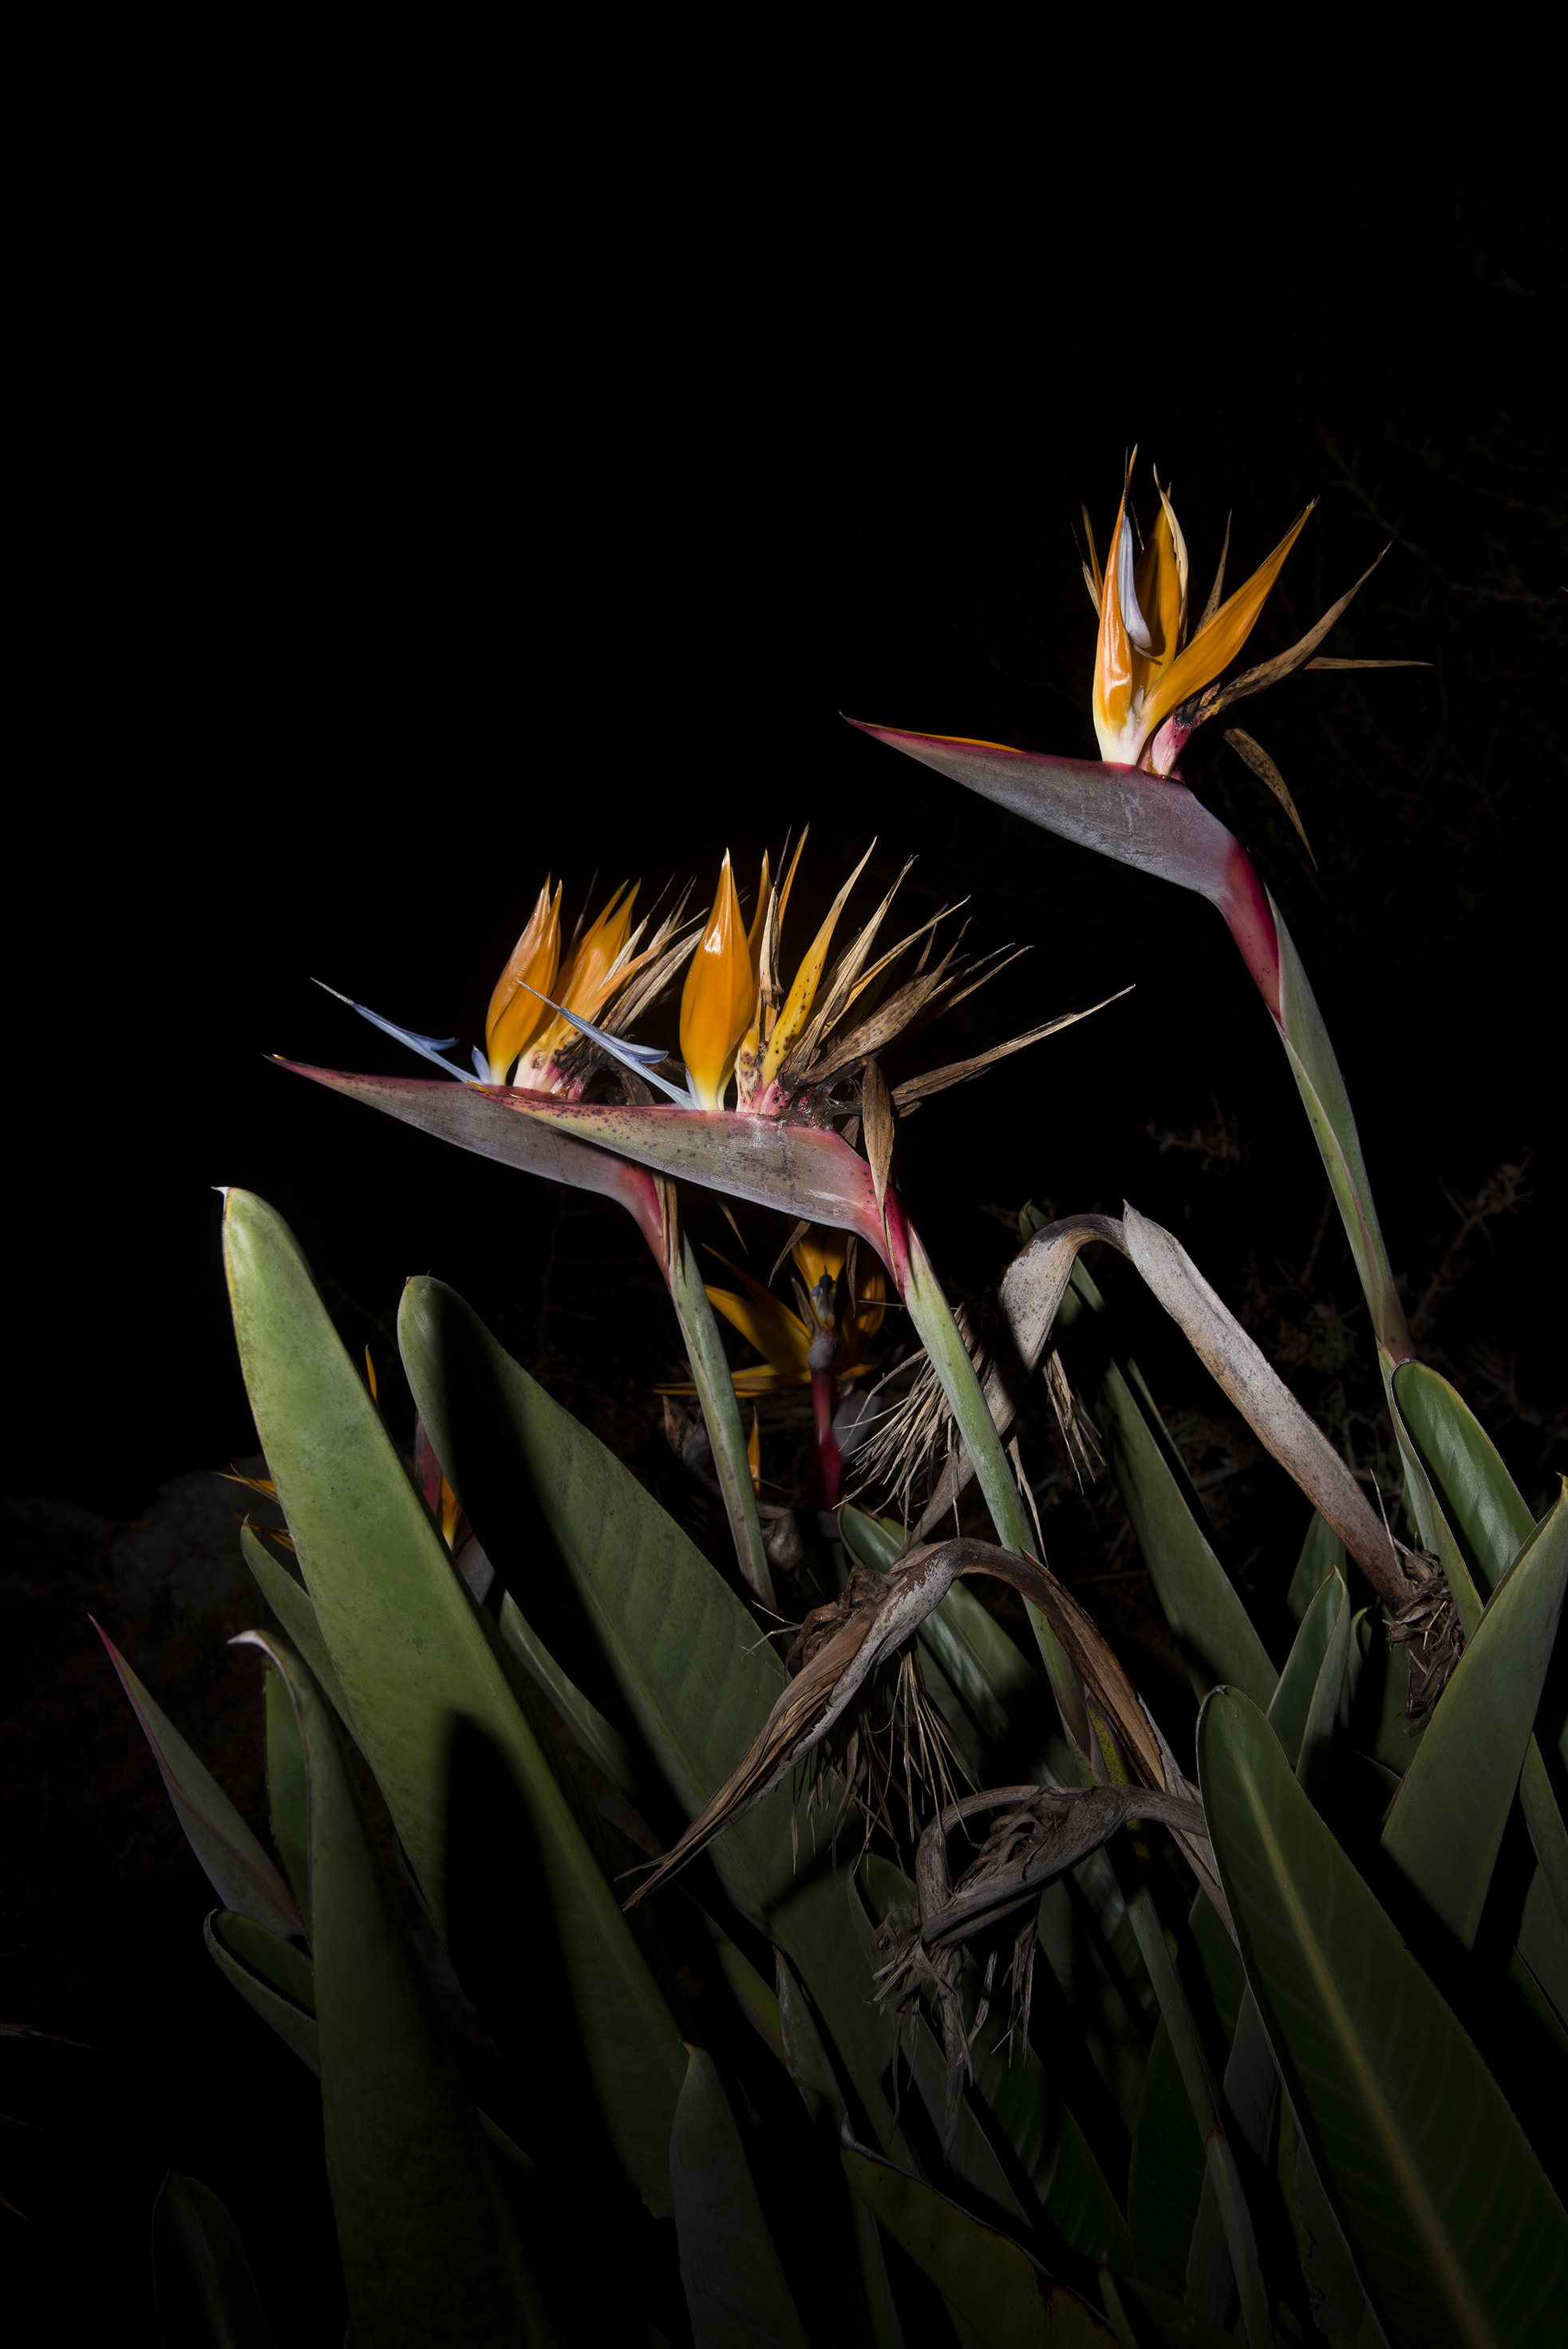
column 906, row 1966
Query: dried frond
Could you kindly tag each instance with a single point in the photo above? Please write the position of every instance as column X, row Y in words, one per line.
column 1042, row 1832
column 1079, row 1433
column 1427, row 1627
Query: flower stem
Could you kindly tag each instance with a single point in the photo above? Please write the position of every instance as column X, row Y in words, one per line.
column 721, row 1414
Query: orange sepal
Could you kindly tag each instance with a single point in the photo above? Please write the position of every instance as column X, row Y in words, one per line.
column 1218, row 641
column 719, row 998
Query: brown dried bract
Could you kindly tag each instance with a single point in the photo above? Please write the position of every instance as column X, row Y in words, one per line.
column 1427, row 1627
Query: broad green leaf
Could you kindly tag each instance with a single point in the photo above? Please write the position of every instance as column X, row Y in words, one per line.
column 286, row 1795
column 427, row 2242
column 425, row 1683
column 756, row 1998
column 237, row 1867
column 257, row 1964
column 1446, row 1823
column 1452, row 2224
column 1164, row 2181
column 1323, row 1554
column 1326, row 1705
column 810, row 2069
column 1537, row 1797
column 1201, row 1603
column 600, row 1742
column 1164, row 2322
column 1251, row 2086
column 1340, row 2310
column 1165, row 2177
column 279, row 1981
column 296, row 1610
column 681, row 1651
column 1293, row 1699
column 1234, row 2212
column 730, row 2266
column 207, row 2296
column 989, row 2281
column 1471, row 1487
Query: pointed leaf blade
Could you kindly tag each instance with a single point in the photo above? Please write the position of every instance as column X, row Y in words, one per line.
column 428, row 2245
column 237, row 1866
column 680, row 1647
column 1475, row 1492
column 734, row 2280
column 1446, row 1827
column 207, row 2292
column 417, row 1664
column 1454, row 2228
column 986, row 2277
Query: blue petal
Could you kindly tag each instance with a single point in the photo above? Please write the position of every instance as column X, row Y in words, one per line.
column 481, row 1066
column 429, row 1048
column 641, row 1059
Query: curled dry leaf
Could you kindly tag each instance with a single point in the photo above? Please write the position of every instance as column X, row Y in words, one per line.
column 876, row 1616
column 1031, row 1290
column 1045, row 1831
column 1252, row 754
column 876, row 1110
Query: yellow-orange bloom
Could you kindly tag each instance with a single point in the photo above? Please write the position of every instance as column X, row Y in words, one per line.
column 594, row 968
column 516, row 1014
column 783, row 1338
column 1144, row 667
column 720, row 997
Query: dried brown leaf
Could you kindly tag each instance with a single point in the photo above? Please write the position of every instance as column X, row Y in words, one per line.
column 1252, row 754
column 958, row 1072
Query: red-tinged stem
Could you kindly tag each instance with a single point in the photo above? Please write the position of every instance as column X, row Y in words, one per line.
column 1243, row 902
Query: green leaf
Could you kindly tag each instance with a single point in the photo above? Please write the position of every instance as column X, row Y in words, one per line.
column 1164, row 2322
column 287, row 1793
column 735, row 2278
column 1325, row 1705
column 1340, row 2307
column 279, row 1981
column 426, row 1685
column 1323, row 1554
column 989, row 2281
column 1333, row 1121
column 1293, row 1699
column 237, row 1867
column 270, row 1976
column 683, row 1655
column 1475, row 1492
column 1164, row 2181
column 602, row 1743
column 1446, row 1823
column 1454, row 2228
column 428, row 2245
column 812, row 2071
column 296, row 1610
column 207, row 2296
column 1201, row 1603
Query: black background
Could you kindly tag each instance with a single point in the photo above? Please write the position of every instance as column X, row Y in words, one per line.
column 416, row 520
